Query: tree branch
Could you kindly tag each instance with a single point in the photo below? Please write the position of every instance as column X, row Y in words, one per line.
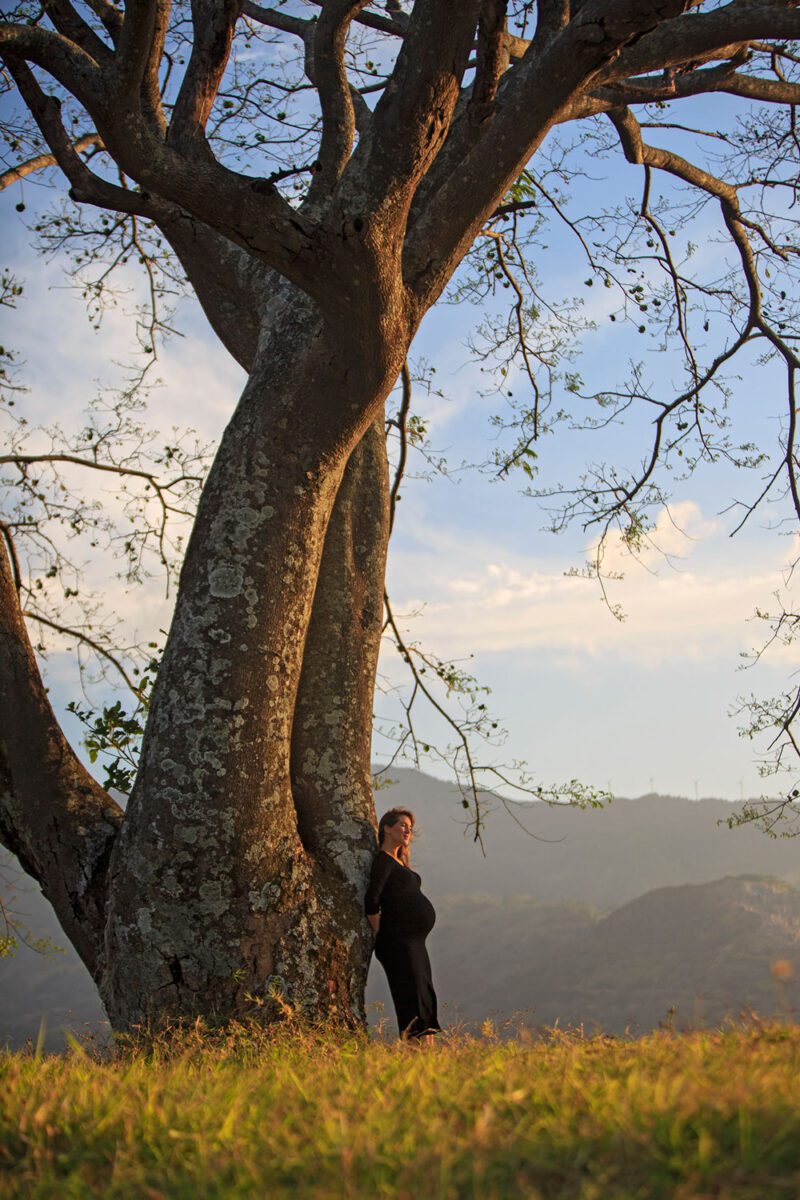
column 110, row 16
column 53, row 815
column 621, row 495
column 396, row 25
column 94, row 645
column 720, row 34
column 636, row 151
column 276, row 19
column 40, row 161
column 139, row 48
column 402, row 426
column 723, row 78
column 71, row 66
column 227, row 282
column 72, row 26
column 86, row 186
column 412, row 117
column 421, row 686
column 546, row 82
column 493, row 59
column 213, row 24
column 333, row 88
column 250, row 212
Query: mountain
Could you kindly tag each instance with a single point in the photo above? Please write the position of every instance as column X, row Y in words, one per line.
column 598, row 857
column 694, row 955
column 604, row 918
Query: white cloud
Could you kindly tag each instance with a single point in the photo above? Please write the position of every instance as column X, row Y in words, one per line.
column 674, row 536
column 501, row 603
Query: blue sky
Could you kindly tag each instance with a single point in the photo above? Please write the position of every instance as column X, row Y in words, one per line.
column 632, row 706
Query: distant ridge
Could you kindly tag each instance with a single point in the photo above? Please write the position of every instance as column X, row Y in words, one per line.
column 598, row 857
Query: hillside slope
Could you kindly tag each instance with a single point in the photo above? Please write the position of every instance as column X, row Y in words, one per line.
column 705, row 951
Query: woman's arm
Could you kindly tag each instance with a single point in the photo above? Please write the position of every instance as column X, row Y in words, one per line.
column 381, row 868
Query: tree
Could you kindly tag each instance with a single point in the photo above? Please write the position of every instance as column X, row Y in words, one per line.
column 239, row 864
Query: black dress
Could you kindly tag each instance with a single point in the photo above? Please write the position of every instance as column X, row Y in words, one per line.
column 407, row 917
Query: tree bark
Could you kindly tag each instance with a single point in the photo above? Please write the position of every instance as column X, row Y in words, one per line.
column 215, row 897
column 332, row 728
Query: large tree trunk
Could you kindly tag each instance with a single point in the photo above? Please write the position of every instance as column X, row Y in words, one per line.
column 332, row 728
column 220, row 886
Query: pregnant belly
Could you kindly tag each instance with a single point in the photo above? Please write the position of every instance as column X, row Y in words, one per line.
column 416, row 918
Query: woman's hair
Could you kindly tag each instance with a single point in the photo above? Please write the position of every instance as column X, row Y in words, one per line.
column 391, row 818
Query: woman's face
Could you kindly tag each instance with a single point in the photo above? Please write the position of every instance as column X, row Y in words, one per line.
column 400, row 833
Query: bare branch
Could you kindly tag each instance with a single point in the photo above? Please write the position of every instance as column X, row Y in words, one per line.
column 723, row 79
column 86, row 186
column 397, row 24
column 40, row 161
column 791, row 454
column 720, row 34
column 519, row 306
column 139, row 49
column 402, row 426
column 276, row 19
column 621, row 495
column 64, row 60
column 72, row 26
column 80, row 636
column 636, row 151
column 110, row 16
column 250, row 212
column 23, row 460
column 421, row 685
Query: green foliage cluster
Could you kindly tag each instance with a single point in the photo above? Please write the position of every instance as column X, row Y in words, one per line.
column 113, row 733
column 313, row 1113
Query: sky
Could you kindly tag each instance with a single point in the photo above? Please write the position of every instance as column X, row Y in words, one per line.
column 632, row 706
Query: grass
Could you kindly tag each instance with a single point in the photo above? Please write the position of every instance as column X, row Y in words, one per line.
column 303, row 1113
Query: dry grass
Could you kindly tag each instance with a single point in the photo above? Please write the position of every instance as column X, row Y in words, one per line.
column 308, row 1113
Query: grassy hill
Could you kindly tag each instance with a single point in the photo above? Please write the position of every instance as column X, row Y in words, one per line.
column 312, row 1117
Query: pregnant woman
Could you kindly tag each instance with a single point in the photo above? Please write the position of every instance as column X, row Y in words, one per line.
column 402, row 918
